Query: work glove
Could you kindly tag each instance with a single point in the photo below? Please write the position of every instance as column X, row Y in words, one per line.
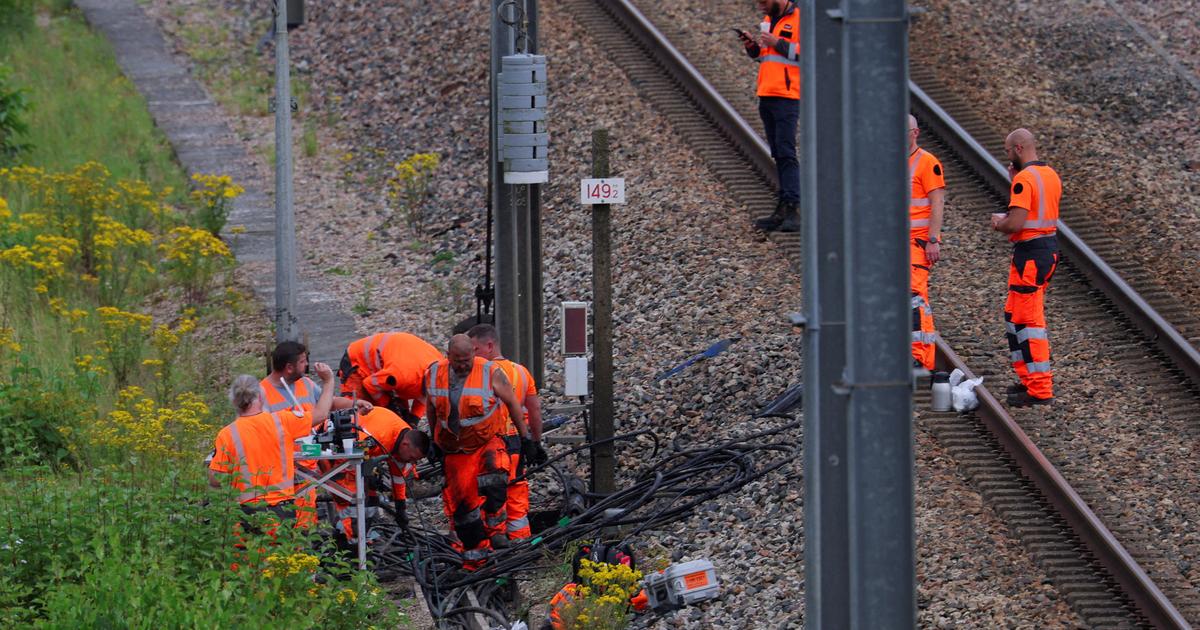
column 375, row 470
column 529, row 449
column 402, row 514
column 540, row 456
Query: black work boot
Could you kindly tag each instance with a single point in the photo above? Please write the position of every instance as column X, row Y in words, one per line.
column 791, row 218
column 771, row 223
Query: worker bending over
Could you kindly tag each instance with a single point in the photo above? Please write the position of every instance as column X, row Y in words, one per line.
column 256, row 450
column 287, row 390
column 387, row 369
column 1032, row 223
column 487, row 346
column 382, row 434
column 469, row 403
column 924, row 244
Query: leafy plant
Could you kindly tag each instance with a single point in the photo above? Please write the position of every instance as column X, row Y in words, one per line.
column 363, row 305
column 214, row 196
column 13, row 107
column 192, row 258
column 408, row 188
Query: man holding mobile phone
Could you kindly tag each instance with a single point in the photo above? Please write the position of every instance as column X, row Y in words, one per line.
column 776, row 48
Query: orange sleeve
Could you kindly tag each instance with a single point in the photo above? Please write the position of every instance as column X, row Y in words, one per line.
column 532, row 389
column 296, row 426
column 932, row 175
column 225, row 459
column 1021, row 194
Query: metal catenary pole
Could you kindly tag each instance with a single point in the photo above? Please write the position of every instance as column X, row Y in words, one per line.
column 826, row 523
column 603, row 463
column 286, row 324
column 537, row 348
column 879, row 371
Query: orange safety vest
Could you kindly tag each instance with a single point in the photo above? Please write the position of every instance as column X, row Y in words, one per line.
column 262, row 468
column 779, row 75
column 1037, row 189
column 522, row 384
column 392, row 364
column 303, row 396
column 481, row 414
column 925, row 171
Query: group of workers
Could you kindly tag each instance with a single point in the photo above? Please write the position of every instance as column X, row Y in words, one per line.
column 482, row 411
column 1030, row 220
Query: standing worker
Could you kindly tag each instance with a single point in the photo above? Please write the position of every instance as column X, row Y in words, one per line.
column 256, row 450
column 1032, row 222
column 487, row 346
column 384, row 435
column 287, row 390
column 387, row 369
column 777, row 49
column 469, row 403
column 924, row 244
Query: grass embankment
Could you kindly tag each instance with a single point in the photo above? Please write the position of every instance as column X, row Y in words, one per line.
column 114, row 292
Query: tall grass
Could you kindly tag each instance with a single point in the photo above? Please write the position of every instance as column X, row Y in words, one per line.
column 84, row 109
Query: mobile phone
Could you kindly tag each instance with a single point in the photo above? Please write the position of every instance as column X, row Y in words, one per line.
column 741, row 34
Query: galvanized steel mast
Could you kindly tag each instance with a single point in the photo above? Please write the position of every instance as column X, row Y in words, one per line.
column 858, row 406
column 286, row 324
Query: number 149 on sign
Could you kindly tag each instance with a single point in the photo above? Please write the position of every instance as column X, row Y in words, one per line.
column 607, row 190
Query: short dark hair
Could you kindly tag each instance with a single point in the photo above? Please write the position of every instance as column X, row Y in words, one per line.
column 418, row 439
column 286, row 353
column 484, row 332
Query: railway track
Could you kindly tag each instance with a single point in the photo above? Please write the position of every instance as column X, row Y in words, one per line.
column 1110, row 584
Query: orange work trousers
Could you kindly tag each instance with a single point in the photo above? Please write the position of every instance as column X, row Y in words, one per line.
column 923, row 332
column 517, row 505
column 1033, row 264
column 474, row 498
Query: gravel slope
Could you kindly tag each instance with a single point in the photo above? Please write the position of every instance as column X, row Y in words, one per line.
column 688, row 273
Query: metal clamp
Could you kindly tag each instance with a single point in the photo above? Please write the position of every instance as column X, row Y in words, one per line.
column 271, row 104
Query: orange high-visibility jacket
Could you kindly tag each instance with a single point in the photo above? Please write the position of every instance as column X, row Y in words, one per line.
column 522, row 384
column 392, row 364
column 481, row 415
column 1037, row 189
column 303, row 396
column 256, row 451
column 779, row 74
column 926, row 173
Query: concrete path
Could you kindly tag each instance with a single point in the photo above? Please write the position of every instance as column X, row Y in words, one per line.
column 204, row 143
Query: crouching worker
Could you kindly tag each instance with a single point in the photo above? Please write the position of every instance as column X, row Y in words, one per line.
column 469, row 403
column 399, row 447
column 255, row 452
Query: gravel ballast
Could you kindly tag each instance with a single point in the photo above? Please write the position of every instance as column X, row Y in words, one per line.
column 688, row 273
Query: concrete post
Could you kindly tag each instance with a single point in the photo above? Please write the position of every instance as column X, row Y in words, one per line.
column 603, row 461
column 287, row 326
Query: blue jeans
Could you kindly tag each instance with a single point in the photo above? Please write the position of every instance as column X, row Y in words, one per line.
column 780, row 117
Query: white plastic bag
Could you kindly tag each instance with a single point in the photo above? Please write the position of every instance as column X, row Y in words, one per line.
column 962, row 392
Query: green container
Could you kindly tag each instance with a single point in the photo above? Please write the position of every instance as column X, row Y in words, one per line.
column 310, row 450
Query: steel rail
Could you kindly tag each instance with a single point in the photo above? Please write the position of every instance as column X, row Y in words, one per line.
column 1182, row 354
column 1133, row 580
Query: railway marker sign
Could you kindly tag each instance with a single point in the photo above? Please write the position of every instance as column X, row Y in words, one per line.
column 607, row 190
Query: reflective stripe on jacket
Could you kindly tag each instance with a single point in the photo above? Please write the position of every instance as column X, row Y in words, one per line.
column 779, row 75
column 1037, row 189
column 481, row 415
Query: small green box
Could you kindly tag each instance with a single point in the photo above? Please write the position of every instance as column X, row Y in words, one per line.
column 310, row 450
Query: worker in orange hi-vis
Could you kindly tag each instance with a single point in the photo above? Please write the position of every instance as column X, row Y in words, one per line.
column 387, row 369
column 924, row 241
column 286, row 390
column 1031, row 222
column 469, row 401
column 255, row 452
column 487, row 346
column 383, row 435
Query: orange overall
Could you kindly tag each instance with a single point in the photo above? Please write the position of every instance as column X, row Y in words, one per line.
column 388, row 366
column 384, row 427
column 517, row 505
column 926, row 173
column 1037, row 189
column 471, row 434
column 302, row 399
